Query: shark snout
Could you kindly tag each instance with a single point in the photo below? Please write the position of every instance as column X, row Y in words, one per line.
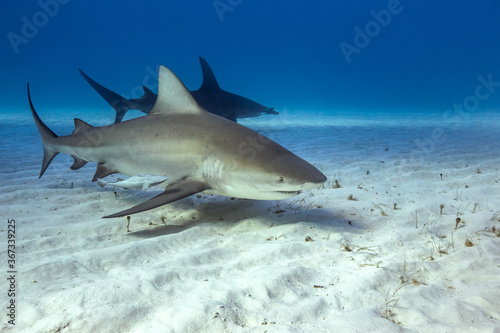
column 318, row 177
column 314, row 182
column 270, row 111
column 299, row 174
column 308, row 179
column 312, row 177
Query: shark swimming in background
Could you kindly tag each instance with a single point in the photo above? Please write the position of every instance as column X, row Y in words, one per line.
column 209, row 96
column 196, row 150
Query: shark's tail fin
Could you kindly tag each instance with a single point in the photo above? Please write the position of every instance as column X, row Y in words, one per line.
column 117, row 102
column 48, row 137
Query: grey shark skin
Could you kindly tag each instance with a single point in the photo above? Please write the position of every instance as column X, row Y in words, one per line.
column 197, row 150
column 209, row 96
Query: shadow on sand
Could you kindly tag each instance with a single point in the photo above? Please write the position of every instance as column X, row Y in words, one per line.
column 226, row 213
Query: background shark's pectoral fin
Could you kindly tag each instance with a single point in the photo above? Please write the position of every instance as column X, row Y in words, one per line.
column 172, row 193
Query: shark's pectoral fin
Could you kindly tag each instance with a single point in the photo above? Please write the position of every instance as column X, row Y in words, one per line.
column 172, row 193
column 102, row 171
column 78, row 163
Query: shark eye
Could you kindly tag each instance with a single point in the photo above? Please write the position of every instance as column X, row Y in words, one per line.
column 282, row 179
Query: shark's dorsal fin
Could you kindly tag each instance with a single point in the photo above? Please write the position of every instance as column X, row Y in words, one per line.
column 80, row 125
column 209, row 81
column 173, row 97
column 147, row 91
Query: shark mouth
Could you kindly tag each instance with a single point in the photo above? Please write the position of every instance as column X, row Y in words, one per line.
column 289, row 192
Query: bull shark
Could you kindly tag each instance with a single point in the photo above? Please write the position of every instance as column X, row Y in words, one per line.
column 209, row 96
column 196, row 150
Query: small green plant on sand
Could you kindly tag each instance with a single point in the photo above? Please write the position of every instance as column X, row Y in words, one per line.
column 352, row 198
column 390, row 298
column 379, row 207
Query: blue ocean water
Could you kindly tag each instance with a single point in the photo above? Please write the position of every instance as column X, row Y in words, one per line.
column 399, row 100
column 398, row 56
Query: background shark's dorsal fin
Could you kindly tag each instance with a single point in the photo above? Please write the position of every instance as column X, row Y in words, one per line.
column 209, row 81
column 173, row 97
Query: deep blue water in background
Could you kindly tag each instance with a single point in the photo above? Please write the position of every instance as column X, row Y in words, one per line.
column 426, row 57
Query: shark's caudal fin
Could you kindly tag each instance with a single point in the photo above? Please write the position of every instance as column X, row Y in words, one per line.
column 172, row 193
column 209, row 81
column 117, row 102
column 48, row 137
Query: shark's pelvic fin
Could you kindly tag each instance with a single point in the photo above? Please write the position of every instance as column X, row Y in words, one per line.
column 47, row 138
column 209, row 81
column 173, row 96
column 102, row 171
column 172, row 193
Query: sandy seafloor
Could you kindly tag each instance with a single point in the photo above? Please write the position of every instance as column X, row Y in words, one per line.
column 318, row 262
